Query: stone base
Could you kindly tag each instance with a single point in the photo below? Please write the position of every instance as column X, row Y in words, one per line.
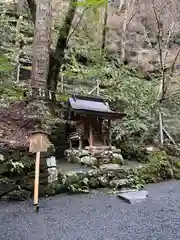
column 95, row 156
column 52, row 171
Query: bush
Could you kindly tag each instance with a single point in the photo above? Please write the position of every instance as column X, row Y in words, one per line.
column 158, row 168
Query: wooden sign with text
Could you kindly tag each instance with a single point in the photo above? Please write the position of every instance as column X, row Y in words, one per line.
column 39, row 142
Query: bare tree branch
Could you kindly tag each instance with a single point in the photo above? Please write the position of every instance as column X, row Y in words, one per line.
column 134, row 13
column 174, row 62
column 159, row 41
column 167, row 42
column 77, row 24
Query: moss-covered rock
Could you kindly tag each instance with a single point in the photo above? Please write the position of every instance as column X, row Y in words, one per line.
column 93, row 183
column 75, row 182
column 172, row 150
column 119, row 183
column 116, row 161
column 103, row 181
column 158, row 168
column 55, row 188
column 132, row 151
column 17, row 195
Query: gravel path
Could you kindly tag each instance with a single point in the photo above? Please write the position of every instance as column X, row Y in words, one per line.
column 98, row 217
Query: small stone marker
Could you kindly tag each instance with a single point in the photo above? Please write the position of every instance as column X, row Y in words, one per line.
column 53, row 173
column 134, row 196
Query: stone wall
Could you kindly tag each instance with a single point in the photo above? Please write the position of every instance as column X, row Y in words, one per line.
column 17, row 165
column 94, row 156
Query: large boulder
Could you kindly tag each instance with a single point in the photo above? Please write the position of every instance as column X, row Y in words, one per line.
column 119, row 183
column 88, row 160
column 103, row 181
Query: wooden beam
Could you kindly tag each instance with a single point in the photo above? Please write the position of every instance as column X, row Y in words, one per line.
column 91, row 138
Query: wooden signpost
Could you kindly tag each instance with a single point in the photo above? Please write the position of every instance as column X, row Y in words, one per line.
column 39, row 142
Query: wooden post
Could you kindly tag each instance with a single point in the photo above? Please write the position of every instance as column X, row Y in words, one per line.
column 161, row 128
column 18, row 72
column 70, row 144
column 109, row 130
column 36, row 181
column 62, row 83
column 91, row 140
column 17, row 47
column 98, row 89
column 80, row 143
column 39, row 142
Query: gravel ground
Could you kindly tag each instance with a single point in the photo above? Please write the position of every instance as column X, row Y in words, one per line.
column 96, row 217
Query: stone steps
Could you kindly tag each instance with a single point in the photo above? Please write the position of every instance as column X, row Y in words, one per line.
column 107, row 175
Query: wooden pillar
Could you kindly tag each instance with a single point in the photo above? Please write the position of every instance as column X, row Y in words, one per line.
column 70, row 144
column 91, row 138
column 109, row 130
column 80, row 143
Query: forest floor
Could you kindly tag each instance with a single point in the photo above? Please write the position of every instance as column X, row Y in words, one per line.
column 96, row 216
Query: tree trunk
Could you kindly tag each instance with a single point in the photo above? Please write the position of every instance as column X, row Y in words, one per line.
column 57, row 58
column 41, row 52
column 32, row 7
column 104, row 27
column 123, row 39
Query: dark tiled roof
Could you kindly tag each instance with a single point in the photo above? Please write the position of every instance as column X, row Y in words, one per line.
column 93, row 105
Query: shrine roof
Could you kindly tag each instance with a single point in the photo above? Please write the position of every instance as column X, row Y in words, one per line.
column 93, row 105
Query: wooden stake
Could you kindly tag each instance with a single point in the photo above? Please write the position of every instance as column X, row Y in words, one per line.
column 62, row 83
column 36, row 182
column 80, row 143
column 98, row 89
column 161, row 128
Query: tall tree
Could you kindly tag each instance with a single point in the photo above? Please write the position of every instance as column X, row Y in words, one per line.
column 56, row 57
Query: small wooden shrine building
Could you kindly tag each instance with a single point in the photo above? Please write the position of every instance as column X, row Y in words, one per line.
column 89, row 121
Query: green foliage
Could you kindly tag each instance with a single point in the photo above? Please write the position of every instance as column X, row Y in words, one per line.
column 134, row 181
column 16, row 167
column 5, row 70
column 122, row 87
column 8, row 49
column 4, row 64
column 132, row 149
column 10, row 93
column 158, row 168
column 92, row 3
column 141, row 109
column 76, row 183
